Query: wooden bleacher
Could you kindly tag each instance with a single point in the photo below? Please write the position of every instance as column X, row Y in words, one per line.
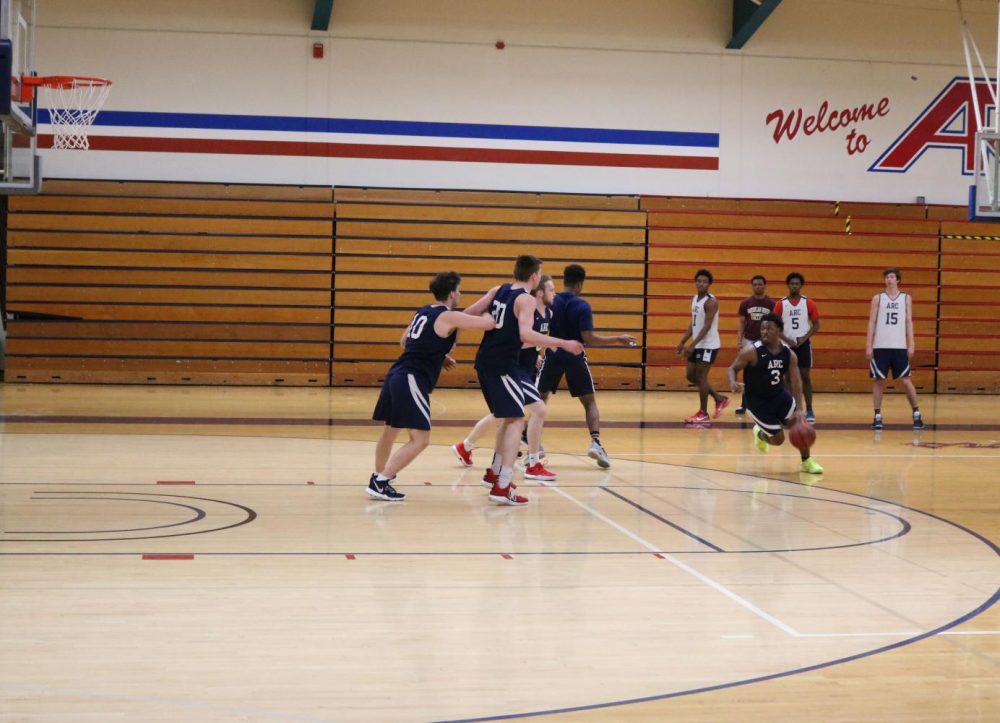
column 390, row 243
column 969, row 348
column 169, row 283
column 184, row 283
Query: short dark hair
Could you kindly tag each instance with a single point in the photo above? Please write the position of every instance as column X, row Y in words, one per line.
column 574, row 275
column 758, row 276
column 444, row 283
column 774, row 319
column 526, row 266
column 704, row 272
column 795, row 275
column 545, row 278
column 893, row 270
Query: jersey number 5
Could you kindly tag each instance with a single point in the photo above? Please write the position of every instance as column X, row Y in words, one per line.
column 498, row 312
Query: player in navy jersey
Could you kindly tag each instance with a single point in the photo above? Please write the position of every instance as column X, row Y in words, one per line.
column 765, row 366
column 405, row 399
column 527, row 371
column 513, row 310
column 572, row 318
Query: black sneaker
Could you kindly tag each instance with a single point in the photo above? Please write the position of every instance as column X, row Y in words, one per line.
column 740, row 411
column 383, row 491
column 877, row 422
column 918, row 421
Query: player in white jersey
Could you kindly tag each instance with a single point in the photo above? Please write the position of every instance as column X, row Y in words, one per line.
column 801, row 317
column 889, row 345
column 701, row 354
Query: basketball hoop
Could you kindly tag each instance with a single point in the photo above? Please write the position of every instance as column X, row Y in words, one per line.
column 73, row 102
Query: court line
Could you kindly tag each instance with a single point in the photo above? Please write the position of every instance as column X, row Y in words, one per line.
column 664, row 520
column 626, row 455
column 873, row 635
column 718, row 587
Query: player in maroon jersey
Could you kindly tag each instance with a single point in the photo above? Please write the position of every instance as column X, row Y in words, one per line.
column 752, row 309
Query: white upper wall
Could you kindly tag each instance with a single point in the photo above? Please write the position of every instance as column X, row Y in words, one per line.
column 633, row 65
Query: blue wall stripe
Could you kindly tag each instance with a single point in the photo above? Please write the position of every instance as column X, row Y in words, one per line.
column 399, row 128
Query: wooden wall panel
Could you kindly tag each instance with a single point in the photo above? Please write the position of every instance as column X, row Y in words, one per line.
column 170, row 284
column 391, row 242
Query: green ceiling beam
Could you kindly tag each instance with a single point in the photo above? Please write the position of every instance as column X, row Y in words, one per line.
column 748, row 16
column 321, row 15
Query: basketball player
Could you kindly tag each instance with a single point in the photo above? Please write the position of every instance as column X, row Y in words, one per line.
column 752, row 310
column 572, row 318
column 765, row 365
column 513, row 310
column 527, row 371
column 801, row 317
column 404, row 402
column 701, row 354
column 889, row 345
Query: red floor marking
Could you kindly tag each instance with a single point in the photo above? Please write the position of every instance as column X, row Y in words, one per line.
column 175, row 482
column 427, row 483
column 350, row 557
column 505, row 556
column 656, row 554
column 168, row 557
column 310, row 482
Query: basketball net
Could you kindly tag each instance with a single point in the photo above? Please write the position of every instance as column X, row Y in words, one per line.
column 73, row 103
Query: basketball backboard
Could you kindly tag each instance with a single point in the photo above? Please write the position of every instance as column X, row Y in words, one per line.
column 21, row 171
column 984, row 195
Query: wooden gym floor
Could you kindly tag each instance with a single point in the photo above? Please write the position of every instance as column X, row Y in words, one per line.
column 209, row 554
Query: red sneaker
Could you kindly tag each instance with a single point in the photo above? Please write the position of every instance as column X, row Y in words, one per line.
column 491, row 478
column 508, row 496
column 464, row 455
column 699, row 418
column 537, row 471
column 720, row 407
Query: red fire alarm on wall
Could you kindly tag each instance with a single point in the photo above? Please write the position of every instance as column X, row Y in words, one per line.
column 317, row 50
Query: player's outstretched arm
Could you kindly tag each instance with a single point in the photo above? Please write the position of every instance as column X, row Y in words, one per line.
column 747, row 357
column 451, row 320
column 592, row 338
column 482, row 304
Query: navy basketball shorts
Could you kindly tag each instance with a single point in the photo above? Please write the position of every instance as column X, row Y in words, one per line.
column 771, row 413
column 574, row 367
column 804, row 352
column 502, row 392
column 404, row 402
column 526, row 378
column 703, row 356
column 885, row 360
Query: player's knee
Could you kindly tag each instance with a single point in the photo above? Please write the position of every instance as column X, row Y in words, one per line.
column 776, row 439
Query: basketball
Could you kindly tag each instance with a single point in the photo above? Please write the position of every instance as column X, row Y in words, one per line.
column 802, row 435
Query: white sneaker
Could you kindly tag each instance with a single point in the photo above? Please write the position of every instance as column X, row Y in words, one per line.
column 596, row 452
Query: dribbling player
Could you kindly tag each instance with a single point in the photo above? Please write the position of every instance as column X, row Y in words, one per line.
column 765, row 366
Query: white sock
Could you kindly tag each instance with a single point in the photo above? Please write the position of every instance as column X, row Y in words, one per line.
column 496, row 463
column 469, row 446
column 506, row 475
column 532, row 459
